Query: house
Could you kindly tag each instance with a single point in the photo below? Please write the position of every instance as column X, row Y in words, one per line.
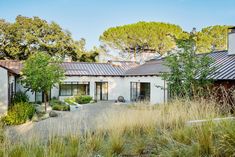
column 102, row 81
column 107, row 81
column 7, row 87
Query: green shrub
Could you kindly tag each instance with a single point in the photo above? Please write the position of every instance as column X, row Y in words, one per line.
column 19, row 114
column 61, row 107
column 83, row 99
column 20, row 97
column 55, row 102
column 70, row 100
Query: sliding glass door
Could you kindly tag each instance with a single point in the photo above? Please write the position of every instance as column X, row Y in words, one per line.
column 140, row 91
column 101, row 91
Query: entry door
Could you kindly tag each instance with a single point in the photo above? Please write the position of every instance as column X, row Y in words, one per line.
column 101, row 91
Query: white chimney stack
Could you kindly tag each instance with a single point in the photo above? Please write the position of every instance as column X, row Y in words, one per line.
column 231, row 41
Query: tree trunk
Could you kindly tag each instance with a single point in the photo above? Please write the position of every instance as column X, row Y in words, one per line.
column 45, row 101
column 135, row 54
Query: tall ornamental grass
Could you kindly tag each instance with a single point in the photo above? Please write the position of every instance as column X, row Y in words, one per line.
column 138, row 130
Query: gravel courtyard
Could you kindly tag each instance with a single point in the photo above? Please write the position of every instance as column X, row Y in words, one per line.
column 66, row 122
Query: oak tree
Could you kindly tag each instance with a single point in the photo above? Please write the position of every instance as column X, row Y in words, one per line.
column 27, row 36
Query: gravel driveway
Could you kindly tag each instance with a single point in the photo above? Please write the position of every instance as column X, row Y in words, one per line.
column 65, row 123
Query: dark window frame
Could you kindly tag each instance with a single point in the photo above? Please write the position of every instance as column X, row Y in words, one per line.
column 77, row 87
column 137, row 93
column 101, row 94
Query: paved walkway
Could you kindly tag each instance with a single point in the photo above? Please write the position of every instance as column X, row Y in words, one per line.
column 66, row 122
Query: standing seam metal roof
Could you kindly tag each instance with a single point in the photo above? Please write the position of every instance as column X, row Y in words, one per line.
column 224, row 64
column 79, row 68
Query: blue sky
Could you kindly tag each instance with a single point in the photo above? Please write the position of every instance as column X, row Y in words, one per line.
column 89, row 18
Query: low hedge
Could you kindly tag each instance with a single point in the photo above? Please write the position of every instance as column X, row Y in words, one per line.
column 80, row 99
column 19, row 113
column 83, row 99
column 55, row 102
column 60, row 107
column 70, row 100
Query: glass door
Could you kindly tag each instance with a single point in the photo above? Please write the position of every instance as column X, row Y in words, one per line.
column 140, row 91
column 104, row 90
column 101, row 92
column 98, row 91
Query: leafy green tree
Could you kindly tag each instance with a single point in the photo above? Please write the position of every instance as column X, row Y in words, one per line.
column 83, row 55
column 143, row 36
column 188, row 71
column 27, row 36
column 212, row 38
column 41, row 72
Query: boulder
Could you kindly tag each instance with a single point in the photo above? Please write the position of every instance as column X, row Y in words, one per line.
column 53, row 114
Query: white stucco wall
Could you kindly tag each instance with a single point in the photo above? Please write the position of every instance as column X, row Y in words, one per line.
column 20, row 87
column 156, row 93
column 3, row 90
column 119, row 86
column 231, row 44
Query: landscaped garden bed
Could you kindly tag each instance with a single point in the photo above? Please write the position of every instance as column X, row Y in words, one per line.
column 140, row 130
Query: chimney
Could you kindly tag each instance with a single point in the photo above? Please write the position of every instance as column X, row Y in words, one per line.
column 231, row 41
column 67, row 58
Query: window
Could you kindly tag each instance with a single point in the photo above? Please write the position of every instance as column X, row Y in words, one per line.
column 74, row 88
column 140, row 91
column 65, row 90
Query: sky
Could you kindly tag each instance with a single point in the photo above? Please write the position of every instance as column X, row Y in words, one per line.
column 90, row 18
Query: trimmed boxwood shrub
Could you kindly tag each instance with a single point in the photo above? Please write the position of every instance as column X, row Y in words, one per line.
column 60, row 107
column 83, row 99
column 19, row 113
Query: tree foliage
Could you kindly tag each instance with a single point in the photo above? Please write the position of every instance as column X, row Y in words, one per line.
column 143, row 36
column 189, row 72
column 41, row 72
column 160, row 38
column 27, row 36
column 89, row 56
column 212, row 38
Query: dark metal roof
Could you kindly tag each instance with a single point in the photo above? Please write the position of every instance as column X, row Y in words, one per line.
column 126, row 65
column 80, row 68
column 152, row 67
column 91, row 69
column 224, row 64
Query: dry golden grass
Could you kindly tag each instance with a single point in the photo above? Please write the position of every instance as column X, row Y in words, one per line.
column 148, row 117
column 138, row 129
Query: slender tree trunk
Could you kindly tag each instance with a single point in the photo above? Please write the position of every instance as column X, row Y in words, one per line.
column 45, row 101
column 135, row 54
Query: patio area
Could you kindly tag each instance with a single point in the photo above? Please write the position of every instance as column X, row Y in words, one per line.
column 67, row 122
